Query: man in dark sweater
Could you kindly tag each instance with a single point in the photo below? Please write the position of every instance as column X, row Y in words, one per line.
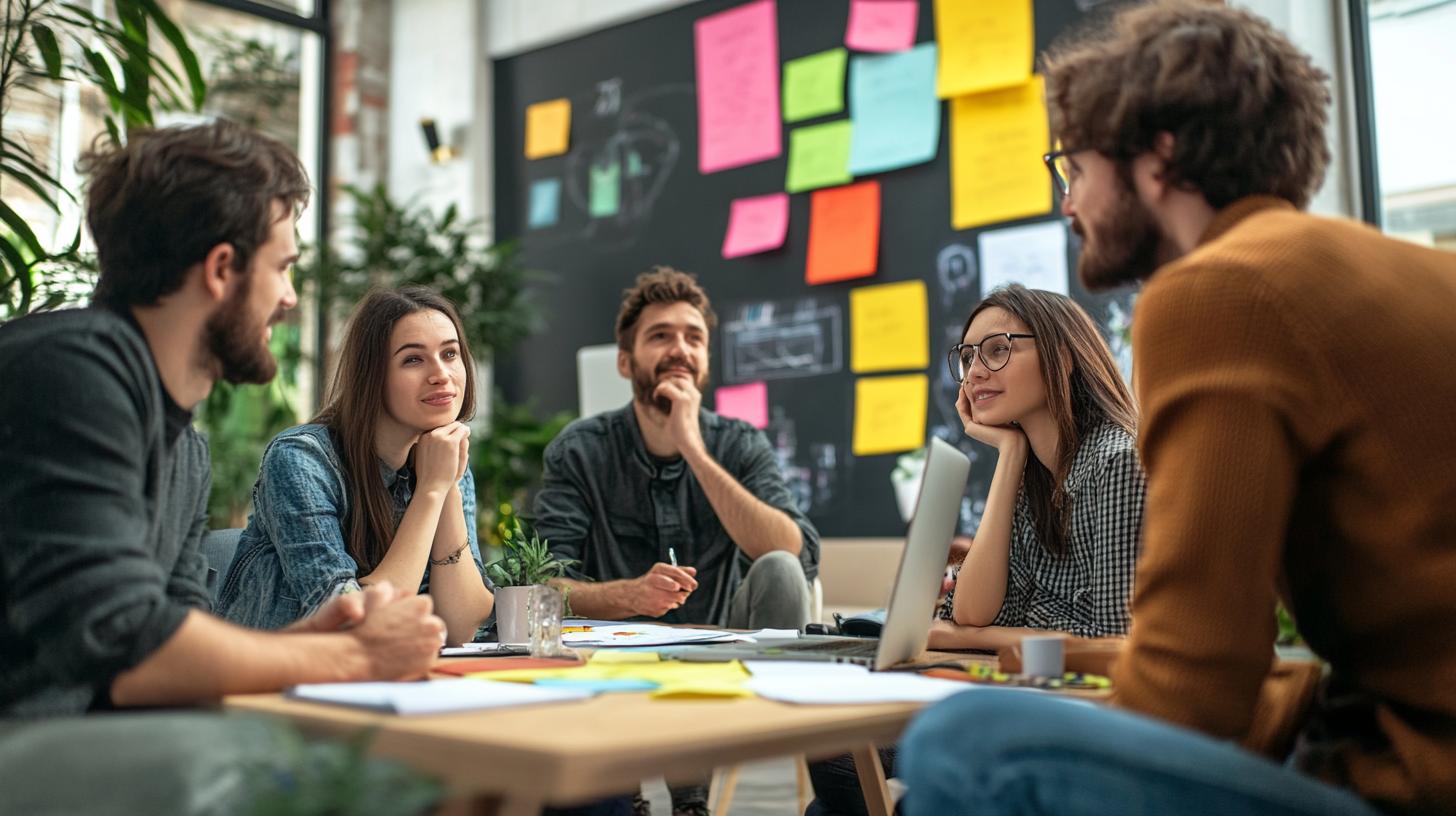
column 103, row 502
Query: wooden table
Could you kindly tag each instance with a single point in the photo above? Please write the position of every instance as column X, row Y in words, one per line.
column 514, row 761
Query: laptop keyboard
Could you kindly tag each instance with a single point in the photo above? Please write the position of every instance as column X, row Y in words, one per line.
column 865, row 648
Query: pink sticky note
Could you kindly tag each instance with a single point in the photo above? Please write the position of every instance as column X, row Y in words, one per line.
column 738, row 86
column 882, row 25
column 756, row 224
column 748, row 402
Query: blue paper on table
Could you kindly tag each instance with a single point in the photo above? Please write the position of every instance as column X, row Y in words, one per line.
column 895, row 111
column 433, row 696
column 598, row 685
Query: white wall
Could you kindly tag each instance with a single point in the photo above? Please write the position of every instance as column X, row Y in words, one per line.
column 521, row 25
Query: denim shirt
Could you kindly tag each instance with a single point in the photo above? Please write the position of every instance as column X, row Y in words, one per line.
column 292, row 555
column 608, row 503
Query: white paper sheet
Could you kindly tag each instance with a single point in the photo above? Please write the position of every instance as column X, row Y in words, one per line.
column 433, row 696
column 803, row 670
column 783, row 634
column 871, row 687
column 1034, row 256
column 647, row 634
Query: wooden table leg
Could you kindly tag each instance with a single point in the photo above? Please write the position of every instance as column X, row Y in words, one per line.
column 872, row 780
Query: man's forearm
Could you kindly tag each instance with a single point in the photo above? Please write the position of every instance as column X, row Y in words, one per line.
column 755, row 526
column 207, row 658
column 605, row 600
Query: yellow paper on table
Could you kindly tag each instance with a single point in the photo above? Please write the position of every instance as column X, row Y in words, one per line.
column 701, row 690
column 997, row 140
column 984, row 44
column 548, row 128
column 666, row 673
column 606, row 657
column 889, row 327
column 889, row 413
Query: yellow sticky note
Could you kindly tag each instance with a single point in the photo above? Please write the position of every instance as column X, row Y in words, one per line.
column 548, row 128
column 997, row 140
column 889, row 413
column 984, row 44
column 701, row 690
column 889, row 327
column 617, row 657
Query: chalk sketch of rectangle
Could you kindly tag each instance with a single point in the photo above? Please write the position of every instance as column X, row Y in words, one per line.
column 793, row 344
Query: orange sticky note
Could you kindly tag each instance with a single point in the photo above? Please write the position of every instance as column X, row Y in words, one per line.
column 548, row 128
column 844, row 233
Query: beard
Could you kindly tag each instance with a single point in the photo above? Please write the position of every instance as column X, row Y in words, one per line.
column 1124, row 249
column 235, row 341
column 645, row 382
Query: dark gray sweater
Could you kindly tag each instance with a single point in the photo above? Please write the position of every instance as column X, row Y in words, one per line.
column 103, row 503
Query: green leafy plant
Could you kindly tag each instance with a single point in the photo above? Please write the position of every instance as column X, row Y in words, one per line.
column 526, row 560
column 45, row 43
column 324, row 778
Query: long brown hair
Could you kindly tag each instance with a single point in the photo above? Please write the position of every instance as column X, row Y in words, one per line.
column 1083, row 390
column 355, row 401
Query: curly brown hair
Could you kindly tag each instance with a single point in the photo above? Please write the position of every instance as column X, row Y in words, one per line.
column 1246, row 108
column 662, row 285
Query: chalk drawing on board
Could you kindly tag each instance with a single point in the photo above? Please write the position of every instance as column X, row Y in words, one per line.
column 813, row 484
column 767, row 343
column 955, row 269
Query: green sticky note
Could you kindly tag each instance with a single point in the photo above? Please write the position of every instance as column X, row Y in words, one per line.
column 814, row 85
column 819, row 156
column 606, row 189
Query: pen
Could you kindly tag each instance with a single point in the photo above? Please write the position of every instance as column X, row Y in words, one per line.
column 672, row 556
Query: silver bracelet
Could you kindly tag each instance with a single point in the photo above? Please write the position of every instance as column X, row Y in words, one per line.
column 452, row 558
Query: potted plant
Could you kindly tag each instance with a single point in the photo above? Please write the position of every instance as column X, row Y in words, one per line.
column 525, row 562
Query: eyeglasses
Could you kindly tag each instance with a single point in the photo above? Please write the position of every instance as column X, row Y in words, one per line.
column 1061, row 169
column 995, row 351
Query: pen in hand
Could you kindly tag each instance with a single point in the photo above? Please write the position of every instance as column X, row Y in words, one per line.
column 672, row 556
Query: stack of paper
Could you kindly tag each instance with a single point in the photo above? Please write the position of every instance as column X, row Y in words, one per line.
column 433, row 696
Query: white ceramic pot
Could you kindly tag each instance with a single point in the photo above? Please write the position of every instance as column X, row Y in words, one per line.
column 510, row 614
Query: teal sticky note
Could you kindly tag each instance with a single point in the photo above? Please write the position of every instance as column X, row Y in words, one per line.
column 818, row 156
column 606, row 189
column 894, row 108
column 545, row 208
column 599, row 685
column 814, row 85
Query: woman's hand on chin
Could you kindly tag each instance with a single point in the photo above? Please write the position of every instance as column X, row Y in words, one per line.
column 438, row 456
column 1001, row 437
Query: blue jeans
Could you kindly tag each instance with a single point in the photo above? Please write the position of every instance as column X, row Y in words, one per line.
column 995, row 751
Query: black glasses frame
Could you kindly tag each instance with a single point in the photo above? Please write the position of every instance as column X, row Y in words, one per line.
column 953, row 357
column 1064, row 184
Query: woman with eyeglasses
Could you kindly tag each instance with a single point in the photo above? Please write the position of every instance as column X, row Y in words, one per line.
column 1059, row 536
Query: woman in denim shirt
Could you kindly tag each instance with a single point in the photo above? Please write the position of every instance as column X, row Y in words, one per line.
column 377, row 487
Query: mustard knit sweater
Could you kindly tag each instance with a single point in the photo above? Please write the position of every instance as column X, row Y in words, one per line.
column 1297, row 380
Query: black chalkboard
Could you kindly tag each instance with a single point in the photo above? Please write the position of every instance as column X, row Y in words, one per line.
column 632, row 91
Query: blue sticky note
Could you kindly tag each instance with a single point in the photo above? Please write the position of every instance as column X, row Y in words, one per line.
column 545, row 203
column 895, row 111
column 599, row 685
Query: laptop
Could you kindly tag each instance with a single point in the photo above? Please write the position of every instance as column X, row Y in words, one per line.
column 917, row 584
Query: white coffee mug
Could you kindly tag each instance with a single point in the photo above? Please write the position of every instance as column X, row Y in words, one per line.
column 1042, row 655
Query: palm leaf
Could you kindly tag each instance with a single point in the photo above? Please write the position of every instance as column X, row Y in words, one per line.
column 173, row 35
column 50, row 50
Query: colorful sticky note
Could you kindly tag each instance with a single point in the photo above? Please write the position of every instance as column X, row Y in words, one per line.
column 844, row 233
column 737, row 61
column 748, row 402
column 889, row 327
column 814, row 85
column 889, row 413
column 548, row 128
column 756, row 224
column 984, row 45
column 545, row 207
column 996, row 143
column 895, row 111
column 606, row 189
column 819, row 156
column 882, row 25
column 1034, row 256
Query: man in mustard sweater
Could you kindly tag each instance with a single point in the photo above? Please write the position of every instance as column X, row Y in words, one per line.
column 1297, row 384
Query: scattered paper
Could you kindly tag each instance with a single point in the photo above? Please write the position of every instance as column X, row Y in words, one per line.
column 868, row 688
column 895, row 111
column 598, row 685
column 748, row 402
column 802, row 670
column 470, row 649
column 784, row 634
column 1034, row 256
column 463, row 668
column 996, row 143
column 606, row 189
column 737, row 61
column 619, row 656
column 984, row 45
column 756, row 224
column 548, row 128
column 671, row 678
column 545, row 209
column 889, row 414
column 819, row 156
column 882, row 25
column 644, row 634
column 432, row 696
column 889, row 327
column 844, row 233
column 814, row 85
